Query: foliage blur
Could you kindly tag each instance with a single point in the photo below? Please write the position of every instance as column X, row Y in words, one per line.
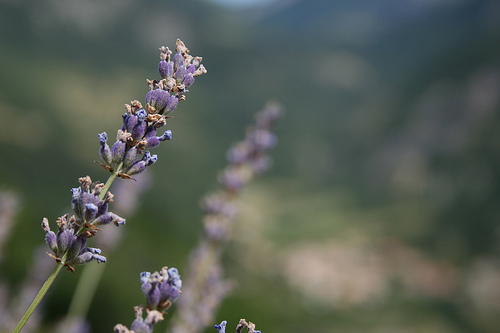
column 381, row 211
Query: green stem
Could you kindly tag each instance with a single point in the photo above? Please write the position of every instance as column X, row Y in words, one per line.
column 38, row 298
column 110, row 181
column 57, row 269
column 87, row 284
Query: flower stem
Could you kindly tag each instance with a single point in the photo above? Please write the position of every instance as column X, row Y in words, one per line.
column 38, row 298
column 110, row 181
column 57, row 269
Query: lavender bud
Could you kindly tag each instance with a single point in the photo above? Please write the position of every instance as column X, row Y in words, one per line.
column 129, row 122
column 171, row 104
column 191, row 68
column 93, row 250
column 152, row 160
column 88, row 256
column 178, row 60
column 83, row 258
column 141, row 115
column 118, row 221
column 150, row 132
column 102, row 207
column 144, row 276
column 161, row 101
column 45, row 225
column 89, row 197
column 222, row 327
column 104, row 150
column 150, row 98
column 90, row 212
column 167, row 135
column 76, row 247
column 155, row 140
column 117, row 152
column 140, row 128
column 65, row 239
column 146, row 287
column 174, row 277
column 161, row 288
column 180, row 73
column 166, row 69
column 136, row 168
column 169, row 292
column 99, row 258
column 103, row 219
column 158, row 99
column 153, row 297
column 75, row 201
column 188, row 80
column 51, row 240
column 141, row 165
column 130, row 157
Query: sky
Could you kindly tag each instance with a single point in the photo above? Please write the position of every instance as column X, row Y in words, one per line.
column 242, row 3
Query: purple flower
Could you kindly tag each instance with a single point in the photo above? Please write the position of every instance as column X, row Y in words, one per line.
column 88, row 208
column 138, row 131
column 222, row 327
column 68, row 245
column 141, row 165
column 69, row 248
column 171, row 104
column 166, row 69
column 117, row 153
column 104, row 150
column 162, row 288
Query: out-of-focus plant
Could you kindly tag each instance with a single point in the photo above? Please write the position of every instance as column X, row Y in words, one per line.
column 205, row 287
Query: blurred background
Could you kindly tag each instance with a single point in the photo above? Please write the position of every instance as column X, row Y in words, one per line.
column 381, row 211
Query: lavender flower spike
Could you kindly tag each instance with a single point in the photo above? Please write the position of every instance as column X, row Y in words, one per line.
column 140, row 123
column 205, row 285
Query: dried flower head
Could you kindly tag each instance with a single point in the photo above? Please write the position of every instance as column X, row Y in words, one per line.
column 140, row 324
